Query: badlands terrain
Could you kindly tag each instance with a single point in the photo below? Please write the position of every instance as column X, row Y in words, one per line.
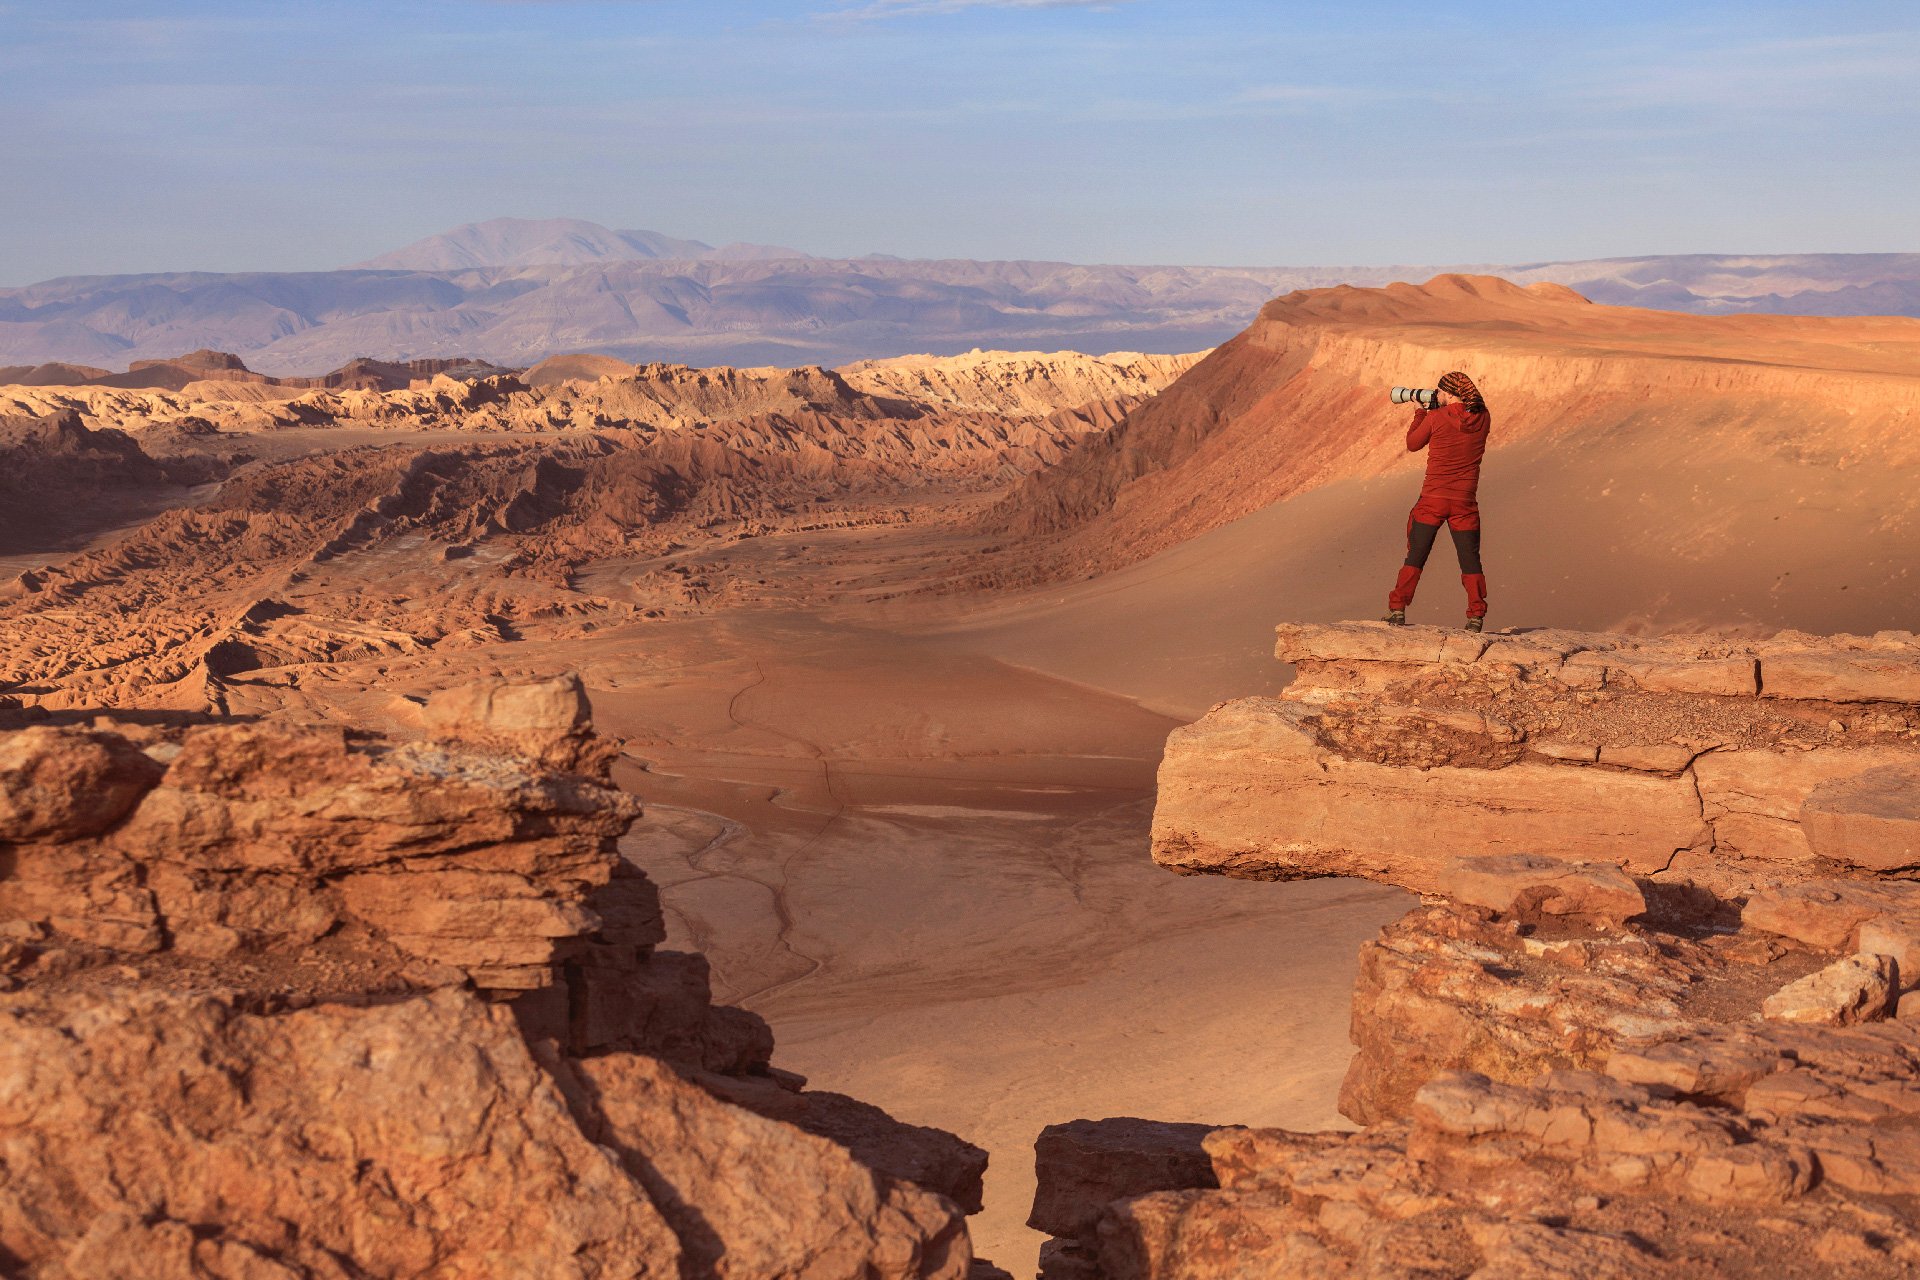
column 890, row 655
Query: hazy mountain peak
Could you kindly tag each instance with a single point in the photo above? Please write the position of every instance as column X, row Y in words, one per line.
column 565, row 242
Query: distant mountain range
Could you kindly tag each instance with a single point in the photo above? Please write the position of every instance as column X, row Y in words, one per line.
column 555, row 242
column 513, row 291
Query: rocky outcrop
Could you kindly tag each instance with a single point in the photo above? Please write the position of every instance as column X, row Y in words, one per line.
column 350, row 1005
column 263, row 839
column 1397, row 751
column 1020, row 383
column 58, row 475
column 263, row 575
column 1554, row 1099
column 1599, row 1048
column 1578, row 1174
column 596, row 393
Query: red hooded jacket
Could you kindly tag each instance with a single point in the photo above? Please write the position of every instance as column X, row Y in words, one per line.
column 1455, row 439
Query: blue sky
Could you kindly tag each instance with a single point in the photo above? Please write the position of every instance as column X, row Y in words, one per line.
column 217, row 135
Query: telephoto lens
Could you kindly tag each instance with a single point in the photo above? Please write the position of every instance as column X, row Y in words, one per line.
column 1422, row 396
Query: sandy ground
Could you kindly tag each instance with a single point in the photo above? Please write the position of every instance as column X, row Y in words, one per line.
column 1632, row 539
column 928, row 870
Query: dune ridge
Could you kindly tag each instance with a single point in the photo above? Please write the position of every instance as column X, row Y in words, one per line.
column 1295, row 402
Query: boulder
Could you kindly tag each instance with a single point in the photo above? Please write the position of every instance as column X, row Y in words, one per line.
column 1828, row 914
column 1858, row 988
column 548, row 720
column 931, row 1158
column 387, row 1140
column 554, row 708
column 751, row 1197
column 65, row 784
column 1899, row 941
column 1083, row 1164
column 1869, row 820
column 1530, row 888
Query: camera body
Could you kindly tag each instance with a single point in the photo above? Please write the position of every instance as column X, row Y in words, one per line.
column 1425, row 397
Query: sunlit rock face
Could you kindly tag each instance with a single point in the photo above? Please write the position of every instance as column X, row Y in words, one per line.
column 311, row 1002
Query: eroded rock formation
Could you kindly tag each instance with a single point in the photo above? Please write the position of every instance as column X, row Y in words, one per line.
column 1395, row 752
column 58, row 476
column 1075, row 393
column 1599, row 1049
column 305, row 1002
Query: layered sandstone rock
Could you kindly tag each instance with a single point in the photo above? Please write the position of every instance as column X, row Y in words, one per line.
column 1654, row 1019
column 264, row 839
column 306, row 1003
column 1745, row 1153
column 1556, row 1098
column 1397, row 751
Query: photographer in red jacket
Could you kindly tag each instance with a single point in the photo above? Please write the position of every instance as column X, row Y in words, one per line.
column 1451, row 425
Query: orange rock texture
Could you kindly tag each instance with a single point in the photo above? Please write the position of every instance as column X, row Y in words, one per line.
column 1597, row 1050
column 1396, row 752
column 306, row 1002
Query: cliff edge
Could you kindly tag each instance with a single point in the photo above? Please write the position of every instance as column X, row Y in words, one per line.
column 304, row 1002
column 1658, row 1016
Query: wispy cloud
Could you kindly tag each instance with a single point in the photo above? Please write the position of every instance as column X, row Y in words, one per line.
column 1792, row 75
column 876, row 10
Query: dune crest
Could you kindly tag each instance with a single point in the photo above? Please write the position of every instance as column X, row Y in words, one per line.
column 1297, row 402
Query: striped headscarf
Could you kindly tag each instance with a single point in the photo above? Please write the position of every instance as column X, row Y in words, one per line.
column 1460, row 387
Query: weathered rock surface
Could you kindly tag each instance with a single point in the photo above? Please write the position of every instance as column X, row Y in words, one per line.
column 267, row 839
column 1870, row 819
column 1577, row 1173
column 1397, row 751
column 58, row 475
column 1649, row 1023
column 751, row 1197
column 1529, row 888
column 168, row 1134
column 299, row 1002
column 1852, row 989
column 1450, row 988
column 931, row 1158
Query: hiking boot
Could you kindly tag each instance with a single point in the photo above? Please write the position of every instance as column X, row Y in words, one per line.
column 1395, row 618
column 1476, row 624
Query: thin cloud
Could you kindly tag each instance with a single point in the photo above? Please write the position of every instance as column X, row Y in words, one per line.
column 880, row 9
